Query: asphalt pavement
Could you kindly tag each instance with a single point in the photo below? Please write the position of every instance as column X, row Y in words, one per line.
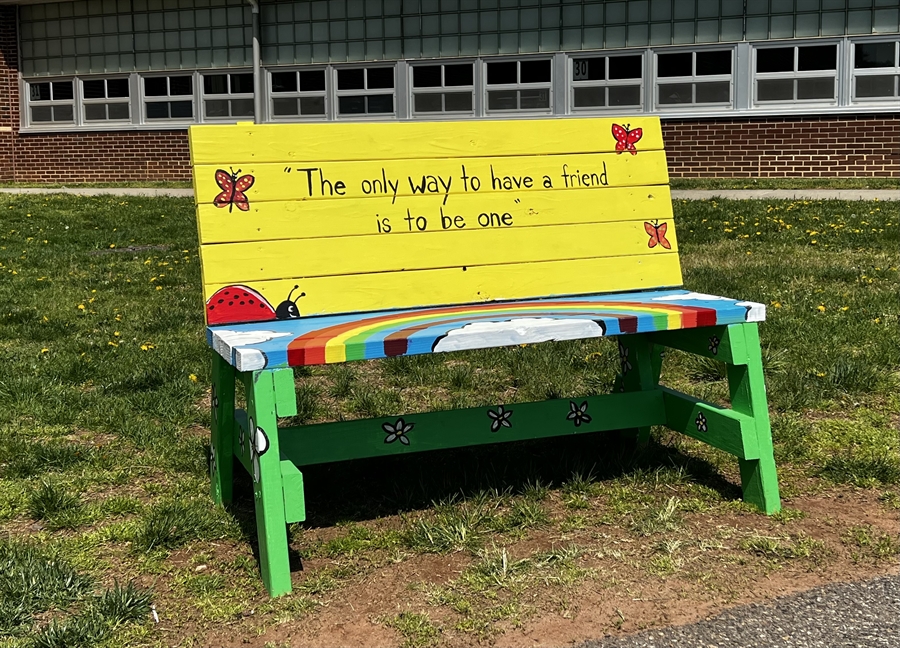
column 864, row 614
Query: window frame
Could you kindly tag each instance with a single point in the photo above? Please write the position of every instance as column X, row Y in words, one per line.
column 443, row 89
column 606, row 83
column 50, row 103
column 694, row 79
column 228, row 96
column 854, row 73
column 193, row 97
column 297, row 95
column 487, row 88
column 795, row 75
column 85, row 102
column 365, row 91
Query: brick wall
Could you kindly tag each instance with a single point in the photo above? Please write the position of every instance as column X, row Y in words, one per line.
column 808, row 147
column 9, row 91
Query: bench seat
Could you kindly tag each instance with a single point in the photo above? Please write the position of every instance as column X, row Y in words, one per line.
column 382, row 334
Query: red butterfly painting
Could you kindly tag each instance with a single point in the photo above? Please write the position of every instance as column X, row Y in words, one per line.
column 626, row 139
column 657, row 232
column 233, row 188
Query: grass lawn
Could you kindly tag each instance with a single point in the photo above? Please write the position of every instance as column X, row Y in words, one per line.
column 785, row 183
column 104, row 506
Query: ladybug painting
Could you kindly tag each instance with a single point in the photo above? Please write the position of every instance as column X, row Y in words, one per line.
column 238, row 304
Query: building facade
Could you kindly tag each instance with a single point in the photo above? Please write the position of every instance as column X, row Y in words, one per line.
column 104, row 90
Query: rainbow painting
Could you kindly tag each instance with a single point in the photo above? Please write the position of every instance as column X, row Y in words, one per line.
column 383, row 334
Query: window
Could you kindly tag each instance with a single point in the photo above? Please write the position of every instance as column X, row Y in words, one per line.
column 298, row 93
column 443, row 88
column 876, row 71
column 51, row 102
column 228, row 95
column 106, row 99
column 169, row 97
column 519, row 85
column 365, row 91
column 799, row 73
column 607, row 81
column 691, row 78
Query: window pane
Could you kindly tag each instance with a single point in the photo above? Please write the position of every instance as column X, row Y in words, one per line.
column 94, row 112
column 182, row 109
column 380, row 78
column 381, row 103
column 242, row 107
column 180, row 85
column 626, row 67
column 775, row 90
column 118, row 111
column 589, row 69
column 823, row 57
column 39, row 92
column 532, row 99
column 215, row 84
column 875, row 86
column 242, row 84
column 428, row 102
column 312, row 81
column 351, row 105
column 117, row 88
column 284, row 82
column 504, row 72
column 717, row 92
column 535, row 71
column 458, row 101
column 427, row 76
column 674, row 65
column 589, row 97
column 458, row 75
column 718, row 62
column 155, row 87
column 503, row 100
column 675, row 93
column 874, row 55
column 217, row 108
column 63, row 113
column 822, row 88
column 94, row 89
column 625, row 95
column 352, row 79
column 281, row 107
column 41, row 113
column 311, row 106
column 775, row 59
column 158, row 110
column 62, row 90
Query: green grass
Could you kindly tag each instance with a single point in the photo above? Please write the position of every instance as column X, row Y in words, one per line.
column 104, row 439
column 148, row 184
column 785, row 183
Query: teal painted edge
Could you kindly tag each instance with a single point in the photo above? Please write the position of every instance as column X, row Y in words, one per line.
column 343, row 440
column 719, row 427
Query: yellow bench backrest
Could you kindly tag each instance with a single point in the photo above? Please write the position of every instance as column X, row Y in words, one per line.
column 369, row 216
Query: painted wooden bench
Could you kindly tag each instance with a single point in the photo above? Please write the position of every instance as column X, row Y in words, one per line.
column 326, row 243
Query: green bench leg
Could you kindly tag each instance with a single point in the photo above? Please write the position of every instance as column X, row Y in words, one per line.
column 268, row 491
column 759, row 478
column 221, row 464
column 640, row 365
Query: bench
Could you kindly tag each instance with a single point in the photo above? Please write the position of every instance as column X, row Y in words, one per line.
column 326, row 243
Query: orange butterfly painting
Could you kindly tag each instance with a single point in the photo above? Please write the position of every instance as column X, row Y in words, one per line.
column 657, row 232
column 233, row 188
column 626, row 139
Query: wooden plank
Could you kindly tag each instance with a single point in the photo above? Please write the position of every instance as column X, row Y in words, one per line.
column 343, row 440
column 246, row 142
column 362, row 216
column 294, row 499
column 285, row 392
column 241, row 263
column 725, row 429
column 305, row 179
column 716, row 342
column 379, row 291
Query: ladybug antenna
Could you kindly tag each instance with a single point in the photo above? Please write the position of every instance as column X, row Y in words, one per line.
column 292, row 292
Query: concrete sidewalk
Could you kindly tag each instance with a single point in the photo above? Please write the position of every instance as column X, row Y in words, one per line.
column 678, row 194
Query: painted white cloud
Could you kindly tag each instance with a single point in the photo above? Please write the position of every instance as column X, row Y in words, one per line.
column 756, row 312
column 481, row 335
column 246, row 338
column 225, row 342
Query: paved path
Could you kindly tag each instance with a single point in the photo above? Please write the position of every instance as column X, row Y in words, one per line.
column 865, row 614
column 686, row 194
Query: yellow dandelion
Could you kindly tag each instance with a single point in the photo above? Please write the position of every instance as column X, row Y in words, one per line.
column 81, row 307
column 112, row 245
column 193, row 377
column 821, row 308
column 45, row 350
column 159, row 287
column 112, row 344
column 845, row 308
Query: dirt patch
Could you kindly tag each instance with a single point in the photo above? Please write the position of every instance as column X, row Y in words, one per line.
column 712, row 562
